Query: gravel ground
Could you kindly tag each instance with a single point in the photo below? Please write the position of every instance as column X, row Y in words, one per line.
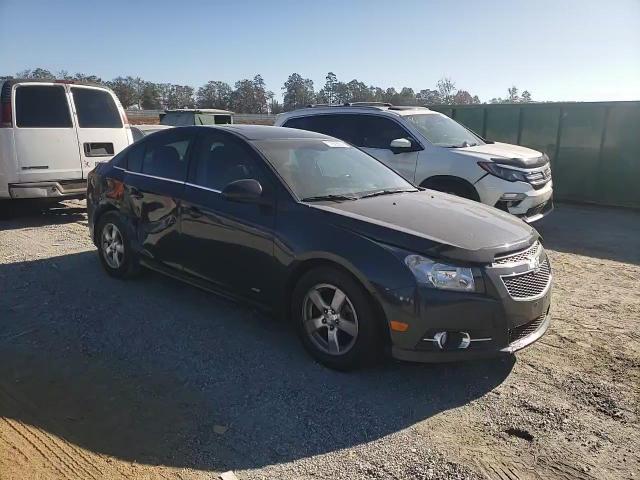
column 154, row 379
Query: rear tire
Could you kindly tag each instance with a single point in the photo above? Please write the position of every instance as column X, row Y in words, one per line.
column 114, row 246
column 335, row 320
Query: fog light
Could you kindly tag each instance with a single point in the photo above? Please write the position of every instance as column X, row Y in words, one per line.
column 512, row 197
column 441, row 339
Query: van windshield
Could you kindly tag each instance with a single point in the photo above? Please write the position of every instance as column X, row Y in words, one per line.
column 441, row 131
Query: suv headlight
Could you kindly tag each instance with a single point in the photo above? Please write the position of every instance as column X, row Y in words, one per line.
column 505, row 173
column 440, row 275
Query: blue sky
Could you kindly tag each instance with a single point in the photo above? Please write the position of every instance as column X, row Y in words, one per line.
column 557, row 49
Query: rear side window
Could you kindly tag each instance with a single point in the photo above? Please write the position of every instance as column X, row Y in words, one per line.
column 166, row 155
column 96, row 108
column 344, row 127
column 42, row 106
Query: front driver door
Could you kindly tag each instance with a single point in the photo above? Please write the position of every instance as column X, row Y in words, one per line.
column 226, row 242
column 375, row 134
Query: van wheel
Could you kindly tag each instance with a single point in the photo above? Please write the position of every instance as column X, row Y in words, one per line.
column 334, row 319
column 114, row 246
column 452, row 187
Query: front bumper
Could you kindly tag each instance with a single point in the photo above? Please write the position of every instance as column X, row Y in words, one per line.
column 535, row 204
column 478, row 325
column 53, row 189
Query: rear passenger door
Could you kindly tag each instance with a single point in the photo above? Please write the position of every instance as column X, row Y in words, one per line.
column 226, row 242
column 101, row 132
column 45, row 138
column 155, row 178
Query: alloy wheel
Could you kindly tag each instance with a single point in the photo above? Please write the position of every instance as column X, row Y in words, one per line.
column 112, row 246
column 330, row 320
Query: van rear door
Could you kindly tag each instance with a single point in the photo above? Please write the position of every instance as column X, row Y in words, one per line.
column 101, row 129
column 46, row 144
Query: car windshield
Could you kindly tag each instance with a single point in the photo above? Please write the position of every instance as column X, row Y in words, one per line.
column 440, row 130
column 316, row 169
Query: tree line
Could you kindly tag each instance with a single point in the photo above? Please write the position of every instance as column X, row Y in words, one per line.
column 250, row 95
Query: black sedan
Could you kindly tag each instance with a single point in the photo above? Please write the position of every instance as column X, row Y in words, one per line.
column 311, row 228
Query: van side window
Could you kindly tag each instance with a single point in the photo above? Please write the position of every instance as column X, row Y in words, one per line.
column 95, row 108
column 378, row 132
column 165, row 156
column 42, row 106
column 221, row 159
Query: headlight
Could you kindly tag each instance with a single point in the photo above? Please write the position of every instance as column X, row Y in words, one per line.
column 502, row 172
column 440, row 275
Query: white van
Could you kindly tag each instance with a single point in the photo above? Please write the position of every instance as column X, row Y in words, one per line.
column 52, row 133
column 431, row 150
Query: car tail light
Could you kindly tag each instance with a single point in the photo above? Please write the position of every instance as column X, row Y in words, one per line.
column 6, row 114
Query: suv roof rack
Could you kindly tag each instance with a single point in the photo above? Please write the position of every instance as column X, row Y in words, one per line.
column 350, row 104
column 367, row 104
column 406, row 107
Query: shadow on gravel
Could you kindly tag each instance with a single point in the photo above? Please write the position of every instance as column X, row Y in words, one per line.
column 34, row 213
column 601, row 232
column 158, row 372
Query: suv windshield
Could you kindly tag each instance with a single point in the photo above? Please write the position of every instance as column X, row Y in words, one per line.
column 316, row 169
column 440, row 130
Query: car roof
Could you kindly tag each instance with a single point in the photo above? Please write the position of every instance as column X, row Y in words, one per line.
column 265, row 132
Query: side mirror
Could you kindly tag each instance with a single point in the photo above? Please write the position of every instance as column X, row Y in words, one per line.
column 245, row 190
column 400, row 145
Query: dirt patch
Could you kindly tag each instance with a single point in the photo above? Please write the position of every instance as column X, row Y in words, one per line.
column 154, row 379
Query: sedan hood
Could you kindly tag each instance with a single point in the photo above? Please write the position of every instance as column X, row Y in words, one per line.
column 433, row 223
column 507, row 154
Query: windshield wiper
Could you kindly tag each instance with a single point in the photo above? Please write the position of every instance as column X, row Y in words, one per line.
column 334, row 197
column 387, row 191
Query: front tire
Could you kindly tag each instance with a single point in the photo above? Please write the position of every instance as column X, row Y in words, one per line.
column 114, row 246
column 335, row 320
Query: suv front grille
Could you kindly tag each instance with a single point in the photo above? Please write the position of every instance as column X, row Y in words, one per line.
column 525, row 330
column 528, row 285
column 520, row 257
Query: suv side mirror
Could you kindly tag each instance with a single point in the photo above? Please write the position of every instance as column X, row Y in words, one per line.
column 244, row 190
column 401, row 143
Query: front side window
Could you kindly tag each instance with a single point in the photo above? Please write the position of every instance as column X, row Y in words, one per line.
column 42, row 106
column 316, row 168
column 379, row 132
column 95, row 108
column 221, row 159
column 165, row 156
column 441, row 131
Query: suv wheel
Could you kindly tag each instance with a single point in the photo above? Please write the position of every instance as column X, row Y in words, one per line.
column 334, row 319
column 454, row 188
column 114, row 247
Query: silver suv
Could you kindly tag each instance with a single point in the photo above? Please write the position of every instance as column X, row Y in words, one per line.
column 431, row 150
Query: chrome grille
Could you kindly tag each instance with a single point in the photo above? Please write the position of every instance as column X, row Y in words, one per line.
column 527, row 329
column 528, row 285
column 520, row 257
